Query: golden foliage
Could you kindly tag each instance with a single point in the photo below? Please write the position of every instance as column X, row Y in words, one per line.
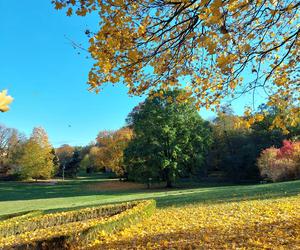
column 205, row 45
column 110, row 153
column 257, row 224
column 5, row 100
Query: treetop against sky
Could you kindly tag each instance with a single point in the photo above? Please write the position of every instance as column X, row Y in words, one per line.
column 216, row 49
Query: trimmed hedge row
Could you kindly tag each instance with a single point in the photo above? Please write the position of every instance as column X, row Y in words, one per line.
column 80, row 234
column 12, row 227
column 18, row 216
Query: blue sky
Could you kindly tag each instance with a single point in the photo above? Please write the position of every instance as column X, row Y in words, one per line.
column 47, row 78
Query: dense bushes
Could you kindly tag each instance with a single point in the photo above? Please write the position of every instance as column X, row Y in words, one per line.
column 74, row 228
column 280, row 164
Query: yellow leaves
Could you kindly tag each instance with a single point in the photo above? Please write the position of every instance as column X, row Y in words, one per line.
column 82, row 12
column 71, row 231
column 133, row 55
column 5, row 100
column 213, row 226
column 58, row 5
column 119, row 2
column 259, row 117
column 232, row 84
column 69, row 12
column 226, row 38
column 224, row 62
column 247, row 112
column 280, row 81
column 141, row 30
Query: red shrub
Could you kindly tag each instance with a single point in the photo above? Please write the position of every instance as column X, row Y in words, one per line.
column 280, row 164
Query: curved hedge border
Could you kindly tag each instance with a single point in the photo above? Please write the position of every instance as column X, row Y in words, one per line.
column 18, row 216
column 78, row 234
column 13, row 227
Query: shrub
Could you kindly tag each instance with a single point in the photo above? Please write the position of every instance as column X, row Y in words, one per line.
column 12, row 227
column 280, row 164
column 80, row 233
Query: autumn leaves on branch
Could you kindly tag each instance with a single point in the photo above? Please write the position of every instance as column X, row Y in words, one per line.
column 207, row 46
column 5, row 100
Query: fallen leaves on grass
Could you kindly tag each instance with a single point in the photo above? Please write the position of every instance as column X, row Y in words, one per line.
column 256, row 224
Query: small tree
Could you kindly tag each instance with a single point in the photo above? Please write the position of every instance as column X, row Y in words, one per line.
column 34, row 162
column 111, row 149
column 64, row 154
column 36, row 158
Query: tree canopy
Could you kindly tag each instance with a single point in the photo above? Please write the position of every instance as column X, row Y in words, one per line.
column 170, row 139
column 211, row 44
column 36, row 157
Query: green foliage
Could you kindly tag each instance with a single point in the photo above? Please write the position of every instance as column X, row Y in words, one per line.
column 85, row 163
column 72, row 167
column 235, row 149
column 55, row 161
column 170, row 139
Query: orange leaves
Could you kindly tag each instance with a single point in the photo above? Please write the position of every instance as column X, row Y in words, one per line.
column 110, row 150
column 69, row 12
column 58, row 5
column 225, row 62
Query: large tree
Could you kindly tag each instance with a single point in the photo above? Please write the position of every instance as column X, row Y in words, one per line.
column 212, row 44
column 170, row 139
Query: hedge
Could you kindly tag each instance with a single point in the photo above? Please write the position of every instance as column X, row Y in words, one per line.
column 78, row 234
column 11, row 227
column 18, row 216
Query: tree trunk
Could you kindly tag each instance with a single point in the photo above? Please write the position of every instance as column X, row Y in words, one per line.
column 169, row 178
column 169, row 183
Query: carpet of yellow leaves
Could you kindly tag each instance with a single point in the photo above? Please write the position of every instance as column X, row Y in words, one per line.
column 254, row 224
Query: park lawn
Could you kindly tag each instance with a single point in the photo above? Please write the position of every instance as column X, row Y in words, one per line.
column 18, row 197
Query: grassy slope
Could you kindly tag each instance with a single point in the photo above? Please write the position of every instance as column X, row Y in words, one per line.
column 16, row 197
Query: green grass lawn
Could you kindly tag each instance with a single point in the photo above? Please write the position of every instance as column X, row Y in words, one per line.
column 88, row 191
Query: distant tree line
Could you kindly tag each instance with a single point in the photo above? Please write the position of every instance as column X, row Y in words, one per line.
column 26, row 158
column 164, row 140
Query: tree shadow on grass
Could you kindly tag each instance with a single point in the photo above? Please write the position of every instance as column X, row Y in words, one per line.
column 231, row 193
column 14, row 191
column 207, row 195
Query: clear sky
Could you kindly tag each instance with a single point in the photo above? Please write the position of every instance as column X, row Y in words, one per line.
column 47, row 78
